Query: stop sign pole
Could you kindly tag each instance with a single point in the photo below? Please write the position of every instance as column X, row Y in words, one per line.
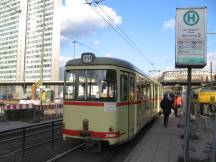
column 190, row 53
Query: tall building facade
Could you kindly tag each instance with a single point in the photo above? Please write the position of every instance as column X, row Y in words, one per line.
column 29, row 40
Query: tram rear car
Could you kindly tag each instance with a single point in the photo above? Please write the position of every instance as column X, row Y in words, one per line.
column 107, row 99
column 207, row 96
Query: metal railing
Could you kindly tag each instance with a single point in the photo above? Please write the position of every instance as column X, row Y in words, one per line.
column 22, row 133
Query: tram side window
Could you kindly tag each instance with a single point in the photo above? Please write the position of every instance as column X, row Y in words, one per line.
column 145, row 89
column 138, row 89
column 124, row 88
column 132, row 89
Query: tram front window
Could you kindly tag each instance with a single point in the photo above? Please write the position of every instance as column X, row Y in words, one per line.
column 93, row 85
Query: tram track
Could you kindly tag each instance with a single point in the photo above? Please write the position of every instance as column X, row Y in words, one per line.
column 21, row 139
column 60, row 156
column 62, row 150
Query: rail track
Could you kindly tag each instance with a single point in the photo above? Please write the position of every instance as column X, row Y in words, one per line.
column 28, row 137
column 64, row 150
column 57, row 157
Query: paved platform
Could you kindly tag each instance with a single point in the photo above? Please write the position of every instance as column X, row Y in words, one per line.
column 160, row 144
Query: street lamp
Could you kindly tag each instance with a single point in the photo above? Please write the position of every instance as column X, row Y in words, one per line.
column 74, row 42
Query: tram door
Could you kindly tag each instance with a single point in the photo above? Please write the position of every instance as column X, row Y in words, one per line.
column 127, row 95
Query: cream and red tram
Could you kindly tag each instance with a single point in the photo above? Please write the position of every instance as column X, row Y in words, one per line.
column 107, row 99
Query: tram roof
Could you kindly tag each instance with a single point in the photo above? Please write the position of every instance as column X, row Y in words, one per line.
column 106, row 61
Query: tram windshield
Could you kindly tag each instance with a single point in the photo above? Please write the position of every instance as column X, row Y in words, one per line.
column 92, row 85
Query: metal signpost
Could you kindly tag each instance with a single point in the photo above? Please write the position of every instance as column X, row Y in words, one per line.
column 190, row 52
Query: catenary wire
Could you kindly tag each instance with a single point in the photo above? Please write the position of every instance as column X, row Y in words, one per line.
column 117, row 29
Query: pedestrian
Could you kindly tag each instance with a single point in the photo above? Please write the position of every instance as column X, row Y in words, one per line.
column 177, row 104
column 166, row 105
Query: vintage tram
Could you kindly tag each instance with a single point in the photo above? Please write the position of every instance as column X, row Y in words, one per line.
column 107, row 99
column 207, row 96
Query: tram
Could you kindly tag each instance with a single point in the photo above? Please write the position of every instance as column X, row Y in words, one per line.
column 207, row 95
column 107, row 99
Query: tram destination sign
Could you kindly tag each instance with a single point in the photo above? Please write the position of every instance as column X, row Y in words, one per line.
column 190, row 37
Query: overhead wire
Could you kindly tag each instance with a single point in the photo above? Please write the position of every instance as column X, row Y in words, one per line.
column 108, row 23
column 117, row 29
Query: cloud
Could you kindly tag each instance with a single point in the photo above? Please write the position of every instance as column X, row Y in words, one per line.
column 96, row 42
column 79, row 19
column 108, row 55
column 168, row 24
column 64, row 59
column 65, row 38
column 211, row 56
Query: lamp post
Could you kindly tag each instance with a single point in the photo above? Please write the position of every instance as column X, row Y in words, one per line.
column 74, row 42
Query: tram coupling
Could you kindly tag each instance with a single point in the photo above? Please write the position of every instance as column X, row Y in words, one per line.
column 93, row 145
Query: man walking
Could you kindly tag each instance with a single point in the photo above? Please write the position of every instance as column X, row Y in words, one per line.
column 166, row 106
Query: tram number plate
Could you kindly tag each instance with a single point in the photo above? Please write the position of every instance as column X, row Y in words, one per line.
column 88, row 58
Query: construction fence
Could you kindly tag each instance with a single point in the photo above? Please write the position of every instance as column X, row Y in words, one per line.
column 30, row 111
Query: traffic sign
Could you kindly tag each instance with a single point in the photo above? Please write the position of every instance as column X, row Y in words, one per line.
column 190, row 37
column 191, row 17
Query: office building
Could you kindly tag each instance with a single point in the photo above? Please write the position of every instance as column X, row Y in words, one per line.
column 29, row 40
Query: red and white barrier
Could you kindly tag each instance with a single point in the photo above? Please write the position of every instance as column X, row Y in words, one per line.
column 31, row 106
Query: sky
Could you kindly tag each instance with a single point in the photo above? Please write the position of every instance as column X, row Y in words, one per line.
column 149, row 24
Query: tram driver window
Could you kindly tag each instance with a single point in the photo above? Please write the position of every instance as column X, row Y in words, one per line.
column 101, row 85
column 93, row 85
column 75, row 85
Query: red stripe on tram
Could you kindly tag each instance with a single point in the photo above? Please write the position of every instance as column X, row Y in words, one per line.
column 83, row 103
column 93, row 134
column 71, row 132
column 130, row 103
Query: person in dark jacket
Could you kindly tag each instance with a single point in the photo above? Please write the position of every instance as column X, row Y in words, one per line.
column 166, row 105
